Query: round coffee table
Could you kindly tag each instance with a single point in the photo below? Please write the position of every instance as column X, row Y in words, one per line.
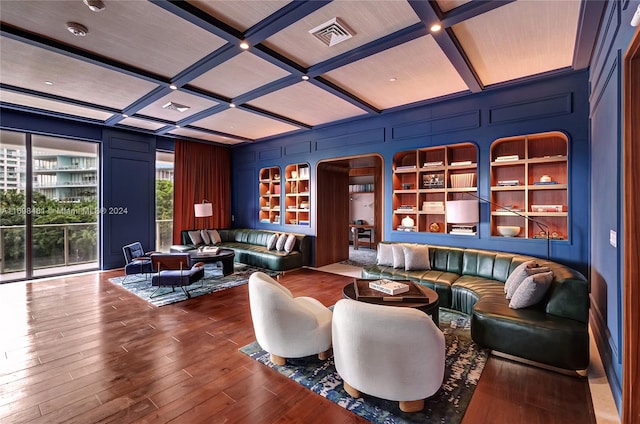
column 226, row 256
column 430, row 307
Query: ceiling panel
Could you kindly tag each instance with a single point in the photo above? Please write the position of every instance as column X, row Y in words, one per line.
column 306, row 103
column 50, row 105
column 240, row 14
column 520, row 39
column 142, row 123
column 244, row 124
column 138, row 33
column 31, row 66
column 195, row 103
column 447, row 5
column 408, row 73
column 369, row 21
column 239, row 75
column 201, row 135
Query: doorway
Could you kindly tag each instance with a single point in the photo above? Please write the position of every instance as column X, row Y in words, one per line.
column 333, row 199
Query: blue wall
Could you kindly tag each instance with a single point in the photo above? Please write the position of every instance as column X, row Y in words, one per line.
column 555, row 104
column 606, row 101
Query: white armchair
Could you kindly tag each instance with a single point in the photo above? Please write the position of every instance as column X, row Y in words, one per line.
column 287, row 326
column 390, row 352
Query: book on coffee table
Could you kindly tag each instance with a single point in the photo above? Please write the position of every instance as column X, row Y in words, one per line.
column 367, row 294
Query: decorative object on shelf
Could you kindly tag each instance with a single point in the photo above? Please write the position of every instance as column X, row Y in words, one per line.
column 508, row 230
column 462, row 180
column 276, row 177
column 294, row 174
column 434, row 227
column 545, row 179
column 433, row 181
column 293, row 221
column 543, row 226
column 304, row 205
column 546, row 208
column 508, row 183
column 433, row 207
column 407, row 186
column 407, row 221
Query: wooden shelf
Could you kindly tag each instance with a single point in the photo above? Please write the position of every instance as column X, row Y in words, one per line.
column 270, row 195
column 539, row 155
column 297, row 193
column 429, row 173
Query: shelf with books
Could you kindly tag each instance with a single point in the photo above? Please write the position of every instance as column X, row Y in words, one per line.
column 270, row 195
column 297, row 184
column 528, row 172
column 424, row 177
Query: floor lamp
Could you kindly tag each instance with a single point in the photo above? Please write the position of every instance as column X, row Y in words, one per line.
column 203, row 210
column 544, row 227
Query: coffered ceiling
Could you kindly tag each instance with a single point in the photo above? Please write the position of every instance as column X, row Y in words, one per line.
column 121, row 71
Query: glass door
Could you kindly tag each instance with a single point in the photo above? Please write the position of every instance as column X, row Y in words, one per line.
column 50, row 212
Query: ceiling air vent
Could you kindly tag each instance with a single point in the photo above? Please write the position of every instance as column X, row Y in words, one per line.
column 176, row 106
column 332, row 32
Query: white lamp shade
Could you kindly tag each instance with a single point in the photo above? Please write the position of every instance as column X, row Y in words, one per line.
column 203, row 210
column 462, row 211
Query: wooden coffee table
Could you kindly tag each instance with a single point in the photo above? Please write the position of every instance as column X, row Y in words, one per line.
column 429, row 305
column 225, row 256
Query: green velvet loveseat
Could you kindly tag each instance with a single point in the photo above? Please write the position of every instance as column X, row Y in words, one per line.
column 553, row 332
column 250, row 247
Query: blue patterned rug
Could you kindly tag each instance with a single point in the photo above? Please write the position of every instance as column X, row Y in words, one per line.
column 213, row 281
column 464, row 363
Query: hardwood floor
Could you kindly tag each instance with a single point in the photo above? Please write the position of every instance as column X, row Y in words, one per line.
column 80, row 349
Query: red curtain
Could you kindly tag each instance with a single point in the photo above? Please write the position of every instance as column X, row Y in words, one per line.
column 202, row 172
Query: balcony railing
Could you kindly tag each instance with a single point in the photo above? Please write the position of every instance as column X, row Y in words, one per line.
column 62, row 245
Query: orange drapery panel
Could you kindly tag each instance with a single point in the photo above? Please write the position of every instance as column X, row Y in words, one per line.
column 201, row 171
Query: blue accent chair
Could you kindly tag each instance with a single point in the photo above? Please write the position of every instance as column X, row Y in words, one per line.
column 175, row 269
column 137, row 260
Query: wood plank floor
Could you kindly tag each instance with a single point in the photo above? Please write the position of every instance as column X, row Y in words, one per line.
column 80, row 349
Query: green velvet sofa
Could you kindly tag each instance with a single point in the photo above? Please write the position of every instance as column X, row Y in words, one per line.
column 552, row 332
column 250, row 247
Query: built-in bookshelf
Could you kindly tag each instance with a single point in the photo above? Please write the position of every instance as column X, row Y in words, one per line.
column 297, row 200
column 270, row 195
column 425, row 179
column 529, row 175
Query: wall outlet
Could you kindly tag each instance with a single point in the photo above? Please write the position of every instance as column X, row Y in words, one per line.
column 613, row 238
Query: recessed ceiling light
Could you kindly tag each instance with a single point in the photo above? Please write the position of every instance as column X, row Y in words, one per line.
column 436, row 27
column 77, row 29
column 393, row 79
column 305, row 78
column 48, row 82
column 94, row 5
column 124, row 115
column 173, row 86
column 232, row 105
column 244, row 45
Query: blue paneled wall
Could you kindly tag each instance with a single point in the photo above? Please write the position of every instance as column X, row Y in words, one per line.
column 556, row 104
column 606, row 118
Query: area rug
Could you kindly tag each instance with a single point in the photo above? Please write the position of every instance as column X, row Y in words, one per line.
column 361, row 257
column 213, row 281
column 464, row 363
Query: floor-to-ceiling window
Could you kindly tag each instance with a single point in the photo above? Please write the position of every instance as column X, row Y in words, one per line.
column 48, row 205
column 164, row 201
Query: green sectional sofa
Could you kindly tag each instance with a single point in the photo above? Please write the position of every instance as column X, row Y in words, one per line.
column 553, row 332
column 250, row 247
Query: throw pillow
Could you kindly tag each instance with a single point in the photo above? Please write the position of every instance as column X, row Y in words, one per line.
column 537, row 270
column 517, row 276
column 271, row 242
column 282, row 239
column 205, row 237
column 385, row 254
column 214, row 235
column 195, row 237
column 416, row 257
column 532, row 290
column 290, row 243
column 398, row 256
